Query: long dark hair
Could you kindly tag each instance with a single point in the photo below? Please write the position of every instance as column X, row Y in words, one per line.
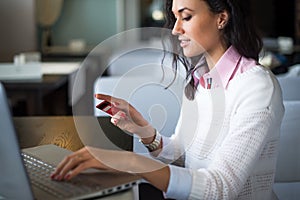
column 239, row 32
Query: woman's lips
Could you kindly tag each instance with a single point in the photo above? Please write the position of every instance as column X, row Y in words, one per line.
column 184, row 43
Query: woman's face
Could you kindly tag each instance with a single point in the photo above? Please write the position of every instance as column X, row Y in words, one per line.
column 196, row 27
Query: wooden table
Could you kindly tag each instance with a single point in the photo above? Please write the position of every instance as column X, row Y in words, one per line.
column 62, row 131
column 34, row 131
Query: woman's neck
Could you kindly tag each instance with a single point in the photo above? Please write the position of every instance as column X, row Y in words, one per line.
column 213, row 56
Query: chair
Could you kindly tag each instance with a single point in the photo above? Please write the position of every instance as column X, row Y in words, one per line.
column 160, row 106
column 287, row 177
column 132, row 60
column 290, row 87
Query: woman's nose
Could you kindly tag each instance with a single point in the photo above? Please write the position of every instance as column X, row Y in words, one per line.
column 177, row 29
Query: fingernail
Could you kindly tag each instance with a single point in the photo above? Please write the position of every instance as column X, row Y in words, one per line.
column 68, row 176
column 52, row 176
column 57, row 178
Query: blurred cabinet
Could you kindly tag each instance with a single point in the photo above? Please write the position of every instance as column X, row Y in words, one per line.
column 48, row 96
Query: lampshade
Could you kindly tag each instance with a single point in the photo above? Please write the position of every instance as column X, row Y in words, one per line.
column 48, row 11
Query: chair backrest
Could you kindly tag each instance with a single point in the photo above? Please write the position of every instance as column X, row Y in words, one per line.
column 132, row 60
column 288, row 162
column 160, row 106
column 290, row 86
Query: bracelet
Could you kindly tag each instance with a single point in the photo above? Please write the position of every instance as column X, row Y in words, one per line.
column 154, row 145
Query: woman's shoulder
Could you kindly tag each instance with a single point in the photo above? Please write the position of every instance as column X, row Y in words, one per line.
column 256, row 76
column 256, row 86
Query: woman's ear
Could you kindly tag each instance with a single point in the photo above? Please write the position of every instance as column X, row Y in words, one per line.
column 223, row 18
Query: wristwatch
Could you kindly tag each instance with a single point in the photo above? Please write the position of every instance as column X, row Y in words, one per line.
column 154, row 145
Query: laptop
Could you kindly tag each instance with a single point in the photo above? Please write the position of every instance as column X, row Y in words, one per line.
column 24, row 174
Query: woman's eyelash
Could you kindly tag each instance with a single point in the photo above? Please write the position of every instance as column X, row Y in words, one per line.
column 187, row 18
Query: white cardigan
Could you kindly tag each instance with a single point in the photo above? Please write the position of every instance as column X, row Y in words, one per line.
column 227, row 140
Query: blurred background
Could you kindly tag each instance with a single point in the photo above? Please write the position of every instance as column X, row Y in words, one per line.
column 50, row 26
column 59, row 34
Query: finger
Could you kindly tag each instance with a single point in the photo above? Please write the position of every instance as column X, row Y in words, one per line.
column 79, row 168
column 114, row 121
column 59, row 167
column 91, row 162
column 107, row 98
column 119, row 116
column 122, row 105
column 68, row 163
column 102, row 96
column 65, row 167
column 117, row 103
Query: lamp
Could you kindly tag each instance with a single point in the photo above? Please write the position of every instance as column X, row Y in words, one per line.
column 47, row 13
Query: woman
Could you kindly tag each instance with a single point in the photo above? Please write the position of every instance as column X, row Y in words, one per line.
column 224, row 145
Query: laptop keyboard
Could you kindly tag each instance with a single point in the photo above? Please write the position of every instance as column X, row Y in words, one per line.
column 39, row 173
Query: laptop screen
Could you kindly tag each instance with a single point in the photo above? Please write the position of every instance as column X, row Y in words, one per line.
column 14, row 183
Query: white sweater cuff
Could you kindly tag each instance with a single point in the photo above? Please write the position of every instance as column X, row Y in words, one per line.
column 180, row 183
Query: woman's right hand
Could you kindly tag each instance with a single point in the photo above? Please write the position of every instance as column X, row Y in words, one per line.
column 127, row 118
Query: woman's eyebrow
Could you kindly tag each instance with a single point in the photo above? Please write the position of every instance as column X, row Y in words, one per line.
column 183, row 9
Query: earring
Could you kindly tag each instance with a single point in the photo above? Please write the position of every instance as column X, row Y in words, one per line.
column 220, row 27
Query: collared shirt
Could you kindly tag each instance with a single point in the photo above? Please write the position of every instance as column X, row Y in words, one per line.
column 229, row 65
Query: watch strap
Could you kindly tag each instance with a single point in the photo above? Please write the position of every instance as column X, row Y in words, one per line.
column 154, row 145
